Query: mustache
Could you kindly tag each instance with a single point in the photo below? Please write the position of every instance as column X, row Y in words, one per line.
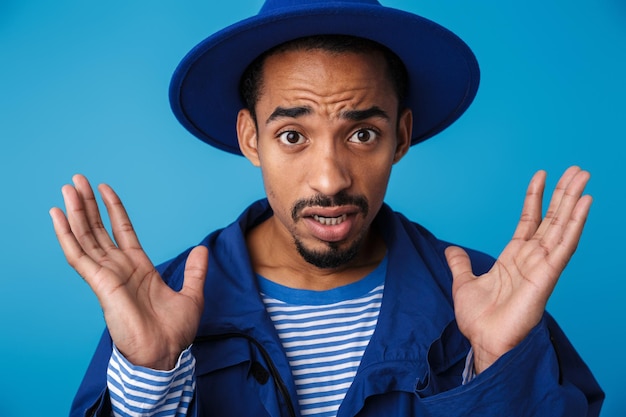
column 320, row 200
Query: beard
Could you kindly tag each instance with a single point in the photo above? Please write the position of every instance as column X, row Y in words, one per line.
column 334, row 256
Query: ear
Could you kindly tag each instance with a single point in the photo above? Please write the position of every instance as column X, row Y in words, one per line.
column 403, row 134
column 247, row 136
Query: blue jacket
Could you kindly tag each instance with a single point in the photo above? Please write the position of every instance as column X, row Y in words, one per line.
column 412, row 365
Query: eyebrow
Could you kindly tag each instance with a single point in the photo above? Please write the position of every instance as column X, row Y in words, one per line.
column 290, row 112
column 354, row 115
column 359, row 115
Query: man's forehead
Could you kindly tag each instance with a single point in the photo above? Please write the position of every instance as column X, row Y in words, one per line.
column 329, row 75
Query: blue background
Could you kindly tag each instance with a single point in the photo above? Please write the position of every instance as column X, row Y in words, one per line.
column 83, row 88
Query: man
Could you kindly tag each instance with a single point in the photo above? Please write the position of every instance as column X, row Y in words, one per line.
column 320, row 300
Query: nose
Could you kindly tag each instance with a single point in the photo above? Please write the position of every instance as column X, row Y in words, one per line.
column 329, row 171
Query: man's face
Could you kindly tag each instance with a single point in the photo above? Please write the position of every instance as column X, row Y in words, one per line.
column 326, row 137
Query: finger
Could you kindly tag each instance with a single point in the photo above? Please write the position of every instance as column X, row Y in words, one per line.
column 195, row 274
column 556, row 199
column 460, row 266
column 561, row 218
column 72, row 249
column 92, row 213
column 79, row 226
column 530, row 218
column 123, row 230
column 568, row 241
column 64, row 234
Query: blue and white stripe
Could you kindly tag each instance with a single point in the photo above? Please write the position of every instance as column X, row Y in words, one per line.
column 139, row 391
column 324, row 343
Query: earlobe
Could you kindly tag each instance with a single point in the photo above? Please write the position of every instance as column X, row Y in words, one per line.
column 247, row 136
column 405, row 126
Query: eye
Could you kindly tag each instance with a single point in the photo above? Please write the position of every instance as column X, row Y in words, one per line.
column 291, row 137
column 363, row 136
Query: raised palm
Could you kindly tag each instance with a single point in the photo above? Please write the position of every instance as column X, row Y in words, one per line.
column 497, row 310
column 149, row 323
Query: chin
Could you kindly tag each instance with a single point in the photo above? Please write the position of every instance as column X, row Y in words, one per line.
column 330, row 258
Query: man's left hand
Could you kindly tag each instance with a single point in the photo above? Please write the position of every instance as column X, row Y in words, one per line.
column 497, row 310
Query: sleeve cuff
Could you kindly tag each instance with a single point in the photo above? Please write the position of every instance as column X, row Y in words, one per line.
column 469, row 373
column 139, row 390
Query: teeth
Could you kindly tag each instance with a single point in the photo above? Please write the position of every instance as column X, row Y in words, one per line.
column 330, row 221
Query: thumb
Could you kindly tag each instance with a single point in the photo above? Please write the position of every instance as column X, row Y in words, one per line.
column 195, row 273
column 460, row 266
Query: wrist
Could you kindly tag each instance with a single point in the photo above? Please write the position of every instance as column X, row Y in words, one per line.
column 159, row 361
column 484, row 358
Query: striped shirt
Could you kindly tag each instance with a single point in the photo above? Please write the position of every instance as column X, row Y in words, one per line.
column 324, row 335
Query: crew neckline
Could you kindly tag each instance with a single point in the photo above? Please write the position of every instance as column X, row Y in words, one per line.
column 351, row 291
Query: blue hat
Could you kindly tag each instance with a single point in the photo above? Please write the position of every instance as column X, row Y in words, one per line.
column 443, row 72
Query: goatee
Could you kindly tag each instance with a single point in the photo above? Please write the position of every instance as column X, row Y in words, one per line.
column 334, row 256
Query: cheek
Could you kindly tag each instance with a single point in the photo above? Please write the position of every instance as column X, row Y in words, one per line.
column 280, row 204
column 282, row 175
column 279, row 189
column 375, row 177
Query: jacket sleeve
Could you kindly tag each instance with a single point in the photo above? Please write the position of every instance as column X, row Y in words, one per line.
column 541, row 377
column 572, row 369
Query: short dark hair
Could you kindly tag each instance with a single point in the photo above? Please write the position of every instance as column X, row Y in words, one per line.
column 251, row 81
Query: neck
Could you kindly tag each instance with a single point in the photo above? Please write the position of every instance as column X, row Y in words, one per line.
column 278, row 260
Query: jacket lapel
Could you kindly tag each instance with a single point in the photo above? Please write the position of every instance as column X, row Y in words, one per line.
column 414, row 312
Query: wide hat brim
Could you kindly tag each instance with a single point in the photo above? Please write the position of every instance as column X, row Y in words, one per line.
column 443, row 71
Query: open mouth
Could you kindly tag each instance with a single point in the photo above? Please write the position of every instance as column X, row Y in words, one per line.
column 330, row 221
column 330, row 227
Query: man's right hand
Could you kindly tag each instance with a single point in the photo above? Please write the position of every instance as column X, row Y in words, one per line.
column 150, row 323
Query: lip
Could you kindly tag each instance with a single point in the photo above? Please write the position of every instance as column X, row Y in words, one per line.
column 330, row 232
